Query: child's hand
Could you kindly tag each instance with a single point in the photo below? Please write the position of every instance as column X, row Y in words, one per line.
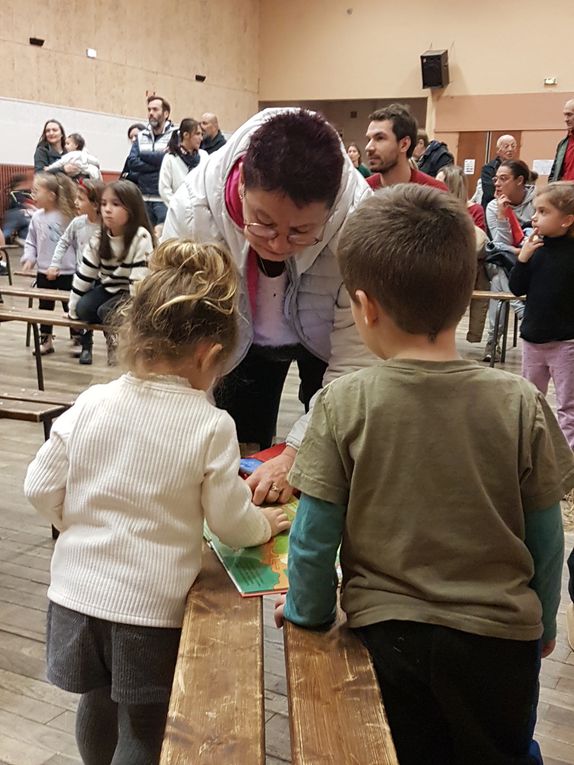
column 279, row 608
column 27, row 265
column 531, row 244
column 547, row 648
column 277, row 519
column 52, row 273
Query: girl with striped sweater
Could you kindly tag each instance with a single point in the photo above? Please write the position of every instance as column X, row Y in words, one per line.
column 128, row 476
column 113, row 261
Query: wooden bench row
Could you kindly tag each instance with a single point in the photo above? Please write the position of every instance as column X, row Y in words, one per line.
column 30, row 406
column 216, row 713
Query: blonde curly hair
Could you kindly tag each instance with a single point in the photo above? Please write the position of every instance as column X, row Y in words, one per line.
column 189, row 296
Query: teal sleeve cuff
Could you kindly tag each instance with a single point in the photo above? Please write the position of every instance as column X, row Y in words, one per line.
column 545, row 541
column 313, row 543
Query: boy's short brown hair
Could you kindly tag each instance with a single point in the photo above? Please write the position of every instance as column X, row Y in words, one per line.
column 412, row 248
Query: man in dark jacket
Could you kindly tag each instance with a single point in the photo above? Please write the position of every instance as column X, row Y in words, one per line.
column 147, row 153
column 563, row 167
column 506, row 147
column 435, row 156
column 213, row 138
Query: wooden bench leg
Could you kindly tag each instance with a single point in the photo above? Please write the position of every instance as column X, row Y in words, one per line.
column 506, row 310
column 499, row 307
column 38, row 356
column 30, row 305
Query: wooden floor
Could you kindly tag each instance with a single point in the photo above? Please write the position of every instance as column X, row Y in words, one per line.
column 36, row 719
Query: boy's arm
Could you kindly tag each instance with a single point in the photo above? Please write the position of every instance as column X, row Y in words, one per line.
column 313, row 543
column 545, row 541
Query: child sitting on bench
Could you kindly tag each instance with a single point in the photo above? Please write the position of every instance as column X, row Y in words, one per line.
column 448, row 518
column 128, row 476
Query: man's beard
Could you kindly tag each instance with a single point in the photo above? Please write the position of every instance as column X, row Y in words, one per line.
column 384, row 167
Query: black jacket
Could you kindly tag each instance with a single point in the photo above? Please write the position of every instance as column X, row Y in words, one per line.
column 436, row 156
column 213, row 144
column 487, row 179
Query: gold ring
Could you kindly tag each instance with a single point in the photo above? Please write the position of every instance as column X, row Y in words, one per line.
column 275, row 488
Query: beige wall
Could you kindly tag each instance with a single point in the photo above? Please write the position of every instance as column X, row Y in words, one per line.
column 142, row 45
column 317, row 49
column 352, row 128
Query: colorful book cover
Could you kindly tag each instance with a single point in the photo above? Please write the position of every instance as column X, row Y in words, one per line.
column 258, row 570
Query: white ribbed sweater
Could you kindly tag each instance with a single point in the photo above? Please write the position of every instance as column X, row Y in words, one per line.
column 128, row 475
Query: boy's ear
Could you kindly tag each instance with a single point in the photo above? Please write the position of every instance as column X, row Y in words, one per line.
column 368, row 308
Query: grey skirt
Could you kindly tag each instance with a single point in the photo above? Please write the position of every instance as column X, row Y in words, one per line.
column 84, row 653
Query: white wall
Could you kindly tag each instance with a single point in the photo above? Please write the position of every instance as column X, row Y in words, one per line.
column 21, row 124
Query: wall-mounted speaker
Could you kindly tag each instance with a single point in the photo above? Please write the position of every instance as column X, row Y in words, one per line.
column 434, row 69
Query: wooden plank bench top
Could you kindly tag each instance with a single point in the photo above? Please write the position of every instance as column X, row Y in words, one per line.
column 495, row 295
column 35, row 293
column 335, row 709
column 31, row 406
column 216, row 708
column 216, row 711
column 40, row 316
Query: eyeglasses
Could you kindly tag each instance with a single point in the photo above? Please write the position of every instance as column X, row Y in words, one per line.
column 268, row 233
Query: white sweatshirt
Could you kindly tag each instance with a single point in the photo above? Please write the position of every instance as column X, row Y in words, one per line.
column 128, row 476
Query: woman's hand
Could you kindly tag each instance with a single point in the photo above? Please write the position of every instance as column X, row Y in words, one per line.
column 531, row 244
column 547, row 648
column 503, row 203
column 269, row 482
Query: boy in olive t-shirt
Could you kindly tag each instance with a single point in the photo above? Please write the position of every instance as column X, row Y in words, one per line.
column 441, row 481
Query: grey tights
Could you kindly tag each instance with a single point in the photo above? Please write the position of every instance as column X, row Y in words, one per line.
column 118, row 734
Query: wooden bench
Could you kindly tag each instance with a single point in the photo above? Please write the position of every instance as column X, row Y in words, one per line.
column 216, row 713
column 30, row 406
column 34, row 317
column 503, row 300
column 34, row 293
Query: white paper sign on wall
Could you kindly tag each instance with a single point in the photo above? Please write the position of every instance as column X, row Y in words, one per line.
column 469, row 165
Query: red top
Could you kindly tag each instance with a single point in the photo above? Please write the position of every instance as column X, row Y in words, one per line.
column 375, row 180
column 568, row 165
column 235, row 210
column 477, row 215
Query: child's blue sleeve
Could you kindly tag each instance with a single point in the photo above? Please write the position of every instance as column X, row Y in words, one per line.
column 545, row 541
column 314, row 540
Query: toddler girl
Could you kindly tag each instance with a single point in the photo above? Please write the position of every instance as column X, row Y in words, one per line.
column 77, row 235
column 128, row 476
column 545, row 274
column 113, row 261
column 54, row 196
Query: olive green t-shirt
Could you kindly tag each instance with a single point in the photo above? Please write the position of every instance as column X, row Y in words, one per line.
column 436, row 462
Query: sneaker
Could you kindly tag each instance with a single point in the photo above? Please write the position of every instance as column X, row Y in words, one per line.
column 3, row 270
column 488, row 351
column 46, row 345
column 570, row 624
column 86, row 356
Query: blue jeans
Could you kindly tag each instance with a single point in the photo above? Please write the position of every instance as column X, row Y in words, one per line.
column 156, row 212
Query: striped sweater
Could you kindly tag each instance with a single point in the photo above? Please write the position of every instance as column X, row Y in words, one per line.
column 114, row 274
column 128, row 476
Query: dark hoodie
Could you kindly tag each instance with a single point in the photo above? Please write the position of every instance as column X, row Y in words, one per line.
column 436, row 156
